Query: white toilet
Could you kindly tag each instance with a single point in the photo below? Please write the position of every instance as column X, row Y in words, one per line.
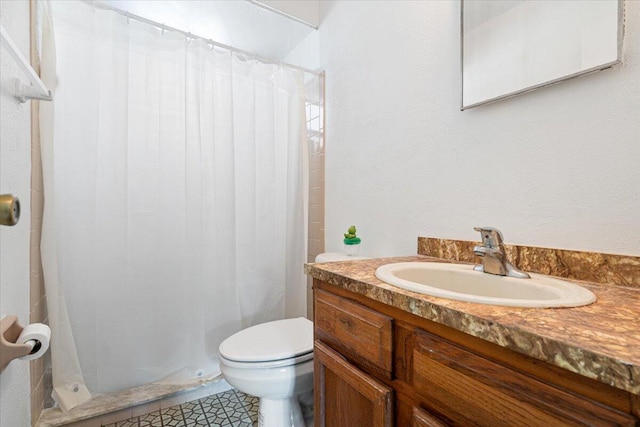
column 274, row 362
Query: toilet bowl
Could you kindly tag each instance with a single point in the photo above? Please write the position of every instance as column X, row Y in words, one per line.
column 274, row 362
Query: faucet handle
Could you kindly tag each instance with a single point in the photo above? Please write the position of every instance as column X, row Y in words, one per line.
column 491, row 237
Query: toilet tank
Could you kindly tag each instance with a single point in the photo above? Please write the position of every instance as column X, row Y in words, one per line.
column 337, row 256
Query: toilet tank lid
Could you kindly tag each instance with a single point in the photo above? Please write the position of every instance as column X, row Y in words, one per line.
column 276, row 340
column 337, row 256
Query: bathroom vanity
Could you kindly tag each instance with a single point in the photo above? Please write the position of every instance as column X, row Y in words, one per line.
column 385, row 356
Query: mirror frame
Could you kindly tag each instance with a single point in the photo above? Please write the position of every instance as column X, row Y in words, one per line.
column 594, row 69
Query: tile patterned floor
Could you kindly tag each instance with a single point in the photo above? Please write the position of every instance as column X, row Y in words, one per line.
column 229, row 409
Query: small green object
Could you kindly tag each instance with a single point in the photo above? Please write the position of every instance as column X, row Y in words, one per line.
column 350, row 237
column 354, row 241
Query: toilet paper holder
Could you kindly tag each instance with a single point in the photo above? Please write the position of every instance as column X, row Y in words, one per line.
column 10, row 330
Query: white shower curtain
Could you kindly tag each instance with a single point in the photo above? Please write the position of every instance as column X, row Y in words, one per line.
column 178, row 189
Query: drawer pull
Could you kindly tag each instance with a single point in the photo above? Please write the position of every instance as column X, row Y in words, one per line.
column 348, row 323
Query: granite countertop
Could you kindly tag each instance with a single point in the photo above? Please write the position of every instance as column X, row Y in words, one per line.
column 599, row 341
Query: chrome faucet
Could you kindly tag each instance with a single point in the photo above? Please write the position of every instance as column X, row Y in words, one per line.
column 494, row 259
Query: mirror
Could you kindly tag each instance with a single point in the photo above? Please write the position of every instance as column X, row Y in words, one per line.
column 514, row 46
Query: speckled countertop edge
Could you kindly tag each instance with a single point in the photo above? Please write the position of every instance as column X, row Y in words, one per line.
column 599, row 341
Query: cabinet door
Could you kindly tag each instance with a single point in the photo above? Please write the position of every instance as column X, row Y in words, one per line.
column 422, row 418
column 346, row 396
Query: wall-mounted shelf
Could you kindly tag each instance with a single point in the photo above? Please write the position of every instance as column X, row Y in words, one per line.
column 23, row 92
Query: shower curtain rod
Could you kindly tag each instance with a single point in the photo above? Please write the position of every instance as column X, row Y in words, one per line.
column 196, row 37
column 22, row 92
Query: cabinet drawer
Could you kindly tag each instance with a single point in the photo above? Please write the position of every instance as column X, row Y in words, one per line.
column 362, row 335
column 473, row 390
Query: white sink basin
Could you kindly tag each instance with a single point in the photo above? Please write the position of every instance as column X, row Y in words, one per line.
column 460, row 282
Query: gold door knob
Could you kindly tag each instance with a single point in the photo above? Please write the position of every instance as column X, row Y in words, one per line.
column 9, row 209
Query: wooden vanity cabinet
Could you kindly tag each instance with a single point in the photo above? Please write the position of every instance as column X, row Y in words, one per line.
column 376, row 365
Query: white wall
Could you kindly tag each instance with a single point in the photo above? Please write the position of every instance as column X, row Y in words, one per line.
column 558, row 167
column 307, row 53
column 15, row 173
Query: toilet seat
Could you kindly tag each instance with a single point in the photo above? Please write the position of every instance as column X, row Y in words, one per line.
column 277, row 343
column 269, row 364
